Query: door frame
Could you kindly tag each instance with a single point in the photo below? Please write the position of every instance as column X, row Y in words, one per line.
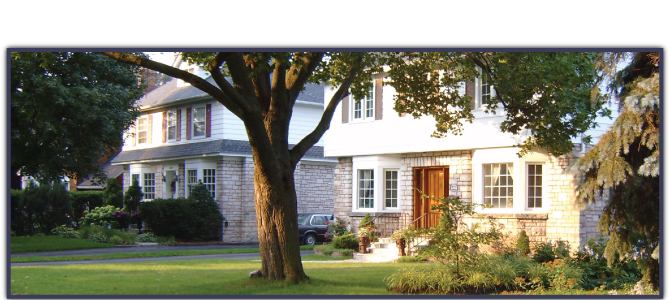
column 418, row 203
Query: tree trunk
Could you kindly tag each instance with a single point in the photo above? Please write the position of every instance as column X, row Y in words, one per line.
column 276, row 215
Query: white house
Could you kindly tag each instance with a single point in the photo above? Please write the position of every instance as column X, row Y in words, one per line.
column 184, row 136
column 384, row 158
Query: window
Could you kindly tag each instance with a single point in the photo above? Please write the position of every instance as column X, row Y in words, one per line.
column 498, row 185
column 192, row 179
column 366, row 190
column 534, row 186
column 209, row 180
column 199, row 120
column 171, row 125
column 364, row 108
column 486, row 90
column 149, row 185
column 391, row 189
column 135, row 177
column 142, row 130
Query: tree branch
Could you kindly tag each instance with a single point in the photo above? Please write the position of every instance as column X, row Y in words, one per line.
column 295, row 83
column 194, row 80
column 239, row 71
column 308, row 141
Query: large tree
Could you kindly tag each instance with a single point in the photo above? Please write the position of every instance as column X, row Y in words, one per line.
column 68, row 109
column 548, row 93
column 624, row 165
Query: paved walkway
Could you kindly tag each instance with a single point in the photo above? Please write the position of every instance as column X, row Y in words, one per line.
column 142, row 247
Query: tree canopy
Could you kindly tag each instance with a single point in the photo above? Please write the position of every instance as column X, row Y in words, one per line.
column 623, row 167
column 552, row 95
column 68, row 109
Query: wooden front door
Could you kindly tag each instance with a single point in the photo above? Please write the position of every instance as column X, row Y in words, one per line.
column 432, row 182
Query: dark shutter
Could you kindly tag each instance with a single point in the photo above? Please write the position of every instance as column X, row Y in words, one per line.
column 208, row 121
column 179, row 124
column 345, row 110
column 165, row 116
column 378, row 99
column 470, row 91
column 188, row 123
column 149, row 121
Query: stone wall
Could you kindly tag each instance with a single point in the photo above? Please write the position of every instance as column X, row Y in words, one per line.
column 343, row 187
column 314, row 188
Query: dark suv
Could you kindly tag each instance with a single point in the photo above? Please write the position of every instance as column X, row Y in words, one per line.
column 313, row 227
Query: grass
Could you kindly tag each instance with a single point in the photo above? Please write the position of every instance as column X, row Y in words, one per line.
column 197, row 277
column 23, row 244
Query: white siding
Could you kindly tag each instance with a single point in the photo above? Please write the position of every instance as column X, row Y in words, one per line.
column 395, row 134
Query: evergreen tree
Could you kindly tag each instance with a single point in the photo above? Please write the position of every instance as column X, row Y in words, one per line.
column 624, row 166
column 523, row 243
column 132, row 198
column 113, row 195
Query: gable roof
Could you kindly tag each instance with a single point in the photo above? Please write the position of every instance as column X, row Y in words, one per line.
column 215, row 147
column 112, row 171
column 170, row 92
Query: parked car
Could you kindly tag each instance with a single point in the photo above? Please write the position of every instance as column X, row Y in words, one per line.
column 313, row 227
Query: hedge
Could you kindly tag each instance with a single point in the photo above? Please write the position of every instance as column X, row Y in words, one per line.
column 82, row 199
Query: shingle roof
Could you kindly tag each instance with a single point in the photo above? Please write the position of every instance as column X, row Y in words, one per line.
column 112, row 171
column 191, row 149
column 170, row 92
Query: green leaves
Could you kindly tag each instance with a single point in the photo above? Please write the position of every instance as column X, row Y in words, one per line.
column 68, row 109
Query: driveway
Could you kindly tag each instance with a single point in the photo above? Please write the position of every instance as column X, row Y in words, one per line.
column 142, row 247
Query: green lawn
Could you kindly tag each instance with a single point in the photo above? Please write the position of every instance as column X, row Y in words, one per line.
column 22, row 244
column 197, row 277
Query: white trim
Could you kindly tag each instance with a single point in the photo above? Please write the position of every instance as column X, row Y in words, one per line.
column 167, row 125
column 363, row 102
column 545, row 200
column 397, row 189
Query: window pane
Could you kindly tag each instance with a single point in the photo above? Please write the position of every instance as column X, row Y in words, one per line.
column 538, row 202
column 199, row 121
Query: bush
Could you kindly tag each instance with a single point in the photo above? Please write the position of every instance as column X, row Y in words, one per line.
column 546, row 252
column 132, row 198
column 116, row 240
column 328, row 250
column 523, row 243
column 104, row 235
column 43, row 208
column 113, row 194
column 101, row 216
column 347, row 241
column 83, row 201
column 146, row 238
column 65, row 232
column 17, row 214
column 194, row 219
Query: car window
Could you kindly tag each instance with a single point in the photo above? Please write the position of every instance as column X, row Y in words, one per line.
column 319, row 220
column 302, row 219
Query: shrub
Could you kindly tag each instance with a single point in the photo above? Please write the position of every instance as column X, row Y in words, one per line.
column 122, row 218
column 83, row 201
column 65, row 232
column 337, row 228
column 132, row 198
column 44, row 207
column 194, row 219
column 328, row 250
column 438, row 279
column 546, row 252
column 101, row 216
column 523, row 243
column 146, row 238
column 99, row 237
column 346, row 241
column 411, row 259
column 116, row 240
column 113, row 194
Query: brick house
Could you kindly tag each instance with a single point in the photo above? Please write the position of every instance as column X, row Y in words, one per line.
column 384, row 158
column 183, row 136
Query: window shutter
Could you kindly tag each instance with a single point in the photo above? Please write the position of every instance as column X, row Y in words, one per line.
column 378, row 99
column 133, row 135
column 470, row 91
column 208, row 121
column 188, row 123
column 164, row 125
column 179, row 124
column 150, row 121
column 345, row 110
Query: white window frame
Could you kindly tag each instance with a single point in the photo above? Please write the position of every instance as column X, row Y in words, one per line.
column 149, row 187
column 191, row 180
column 204, row 123
column 496, row 191
column 209, row 180
column 174, row 125
column 139, row 181
column 145, row 130
column 479, row 85
column 369, row 199
column 387, row 189
column 365, row 106
column 542, row 185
